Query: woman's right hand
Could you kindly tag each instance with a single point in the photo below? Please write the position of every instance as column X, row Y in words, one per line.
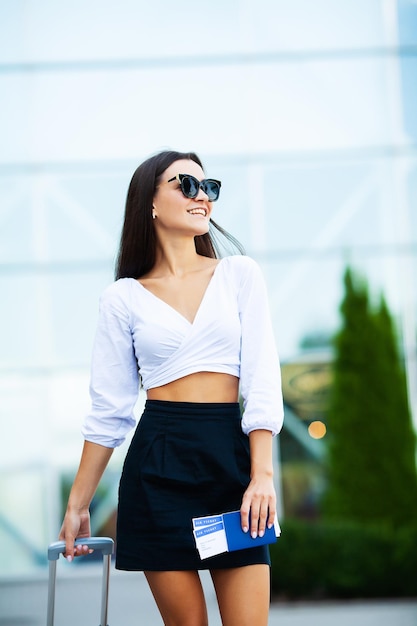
column 76, row 525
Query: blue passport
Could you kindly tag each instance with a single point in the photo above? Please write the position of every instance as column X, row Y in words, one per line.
column 238, row 540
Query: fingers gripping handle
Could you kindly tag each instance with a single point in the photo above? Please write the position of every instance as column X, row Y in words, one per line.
column 105, row 544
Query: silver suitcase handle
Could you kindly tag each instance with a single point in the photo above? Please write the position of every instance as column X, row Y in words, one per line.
column 105, row 545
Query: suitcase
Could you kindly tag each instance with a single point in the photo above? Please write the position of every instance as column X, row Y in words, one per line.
column 105, row 544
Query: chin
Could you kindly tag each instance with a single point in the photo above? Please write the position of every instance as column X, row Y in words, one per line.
column 204, row 231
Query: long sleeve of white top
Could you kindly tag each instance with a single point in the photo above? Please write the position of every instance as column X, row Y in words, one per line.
column 260, row 375
column 114, row 382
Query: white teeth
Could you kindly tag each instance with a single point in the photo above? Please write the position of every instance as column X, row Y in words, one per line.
column 202, row 212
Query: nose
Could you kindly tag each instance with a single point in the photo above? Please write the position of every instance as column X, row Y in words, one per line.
column 201, row 194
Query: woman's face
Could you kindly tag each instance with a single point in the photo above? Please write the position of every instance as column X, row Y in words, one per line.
column 173, row 211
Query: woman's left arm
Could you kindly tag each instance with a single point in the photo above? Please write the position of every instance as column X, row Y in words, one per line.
column 260, row 387
column 259, row 498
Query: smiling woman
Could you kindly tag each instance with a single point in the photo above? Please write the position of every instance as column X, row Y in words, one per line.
column 194, row 330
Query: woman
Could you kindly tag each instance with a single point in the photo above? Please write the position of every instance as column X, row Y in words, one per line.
column 195, row 331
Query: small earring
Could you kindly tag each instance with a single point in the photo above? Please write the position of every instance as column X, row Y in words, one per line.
column 153, row 215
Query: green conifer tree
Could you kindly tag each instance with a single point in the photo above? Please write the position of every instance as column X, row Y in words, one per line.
column 371, row 454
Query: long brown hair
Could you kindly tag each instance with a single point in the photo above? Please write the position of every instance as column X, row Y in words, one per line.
column 137, row 250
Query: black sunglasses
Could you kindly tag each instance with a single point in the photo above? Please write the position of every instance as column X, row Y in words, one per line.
column 190, row 186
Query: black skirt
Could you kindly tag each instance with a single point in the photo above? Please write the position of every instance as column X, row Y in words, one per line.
column 185, row 460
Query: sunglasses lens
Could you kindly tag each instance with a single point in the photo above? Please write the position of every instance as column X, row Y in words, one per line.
column 212, row 189
column 189, row 186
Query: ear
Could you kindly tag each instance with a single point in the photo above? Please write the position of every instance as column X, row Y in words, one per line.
column 153, row 212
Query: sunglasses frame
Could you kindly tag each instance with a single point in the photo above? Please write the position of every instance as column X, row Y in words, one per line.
column 201, row 184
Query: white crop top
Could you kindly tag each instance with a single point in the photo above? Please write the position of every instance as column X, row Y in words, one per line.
column 140, row 335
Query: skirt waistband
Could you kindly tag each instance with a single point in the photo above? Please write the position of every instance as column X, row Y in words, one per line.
column 214, row 410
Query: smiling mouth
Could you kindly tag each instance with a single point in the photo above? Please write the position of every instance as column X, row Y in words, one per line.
column 199, row 211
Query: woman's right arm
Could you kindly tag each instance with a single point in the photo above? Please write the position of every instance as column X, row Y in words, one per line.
column 76, row 524
column 114, row 387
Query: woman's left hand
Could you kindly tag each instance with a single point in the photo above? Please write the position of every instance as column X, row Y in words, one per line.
column 258, row 508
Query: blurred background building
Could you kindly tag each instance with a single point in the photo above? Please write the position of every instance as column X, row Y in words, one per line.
column 306, row 112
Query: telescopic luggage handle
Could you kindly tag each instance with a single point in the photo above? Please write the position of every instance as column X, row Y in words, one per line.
column 105, row 545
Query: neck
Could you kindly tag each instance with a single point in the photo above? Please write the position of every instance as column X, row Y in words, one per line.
column 176, row 258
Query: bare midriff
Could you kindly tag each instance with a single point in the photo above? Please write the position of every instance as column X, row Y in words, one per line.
column 198, row 387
